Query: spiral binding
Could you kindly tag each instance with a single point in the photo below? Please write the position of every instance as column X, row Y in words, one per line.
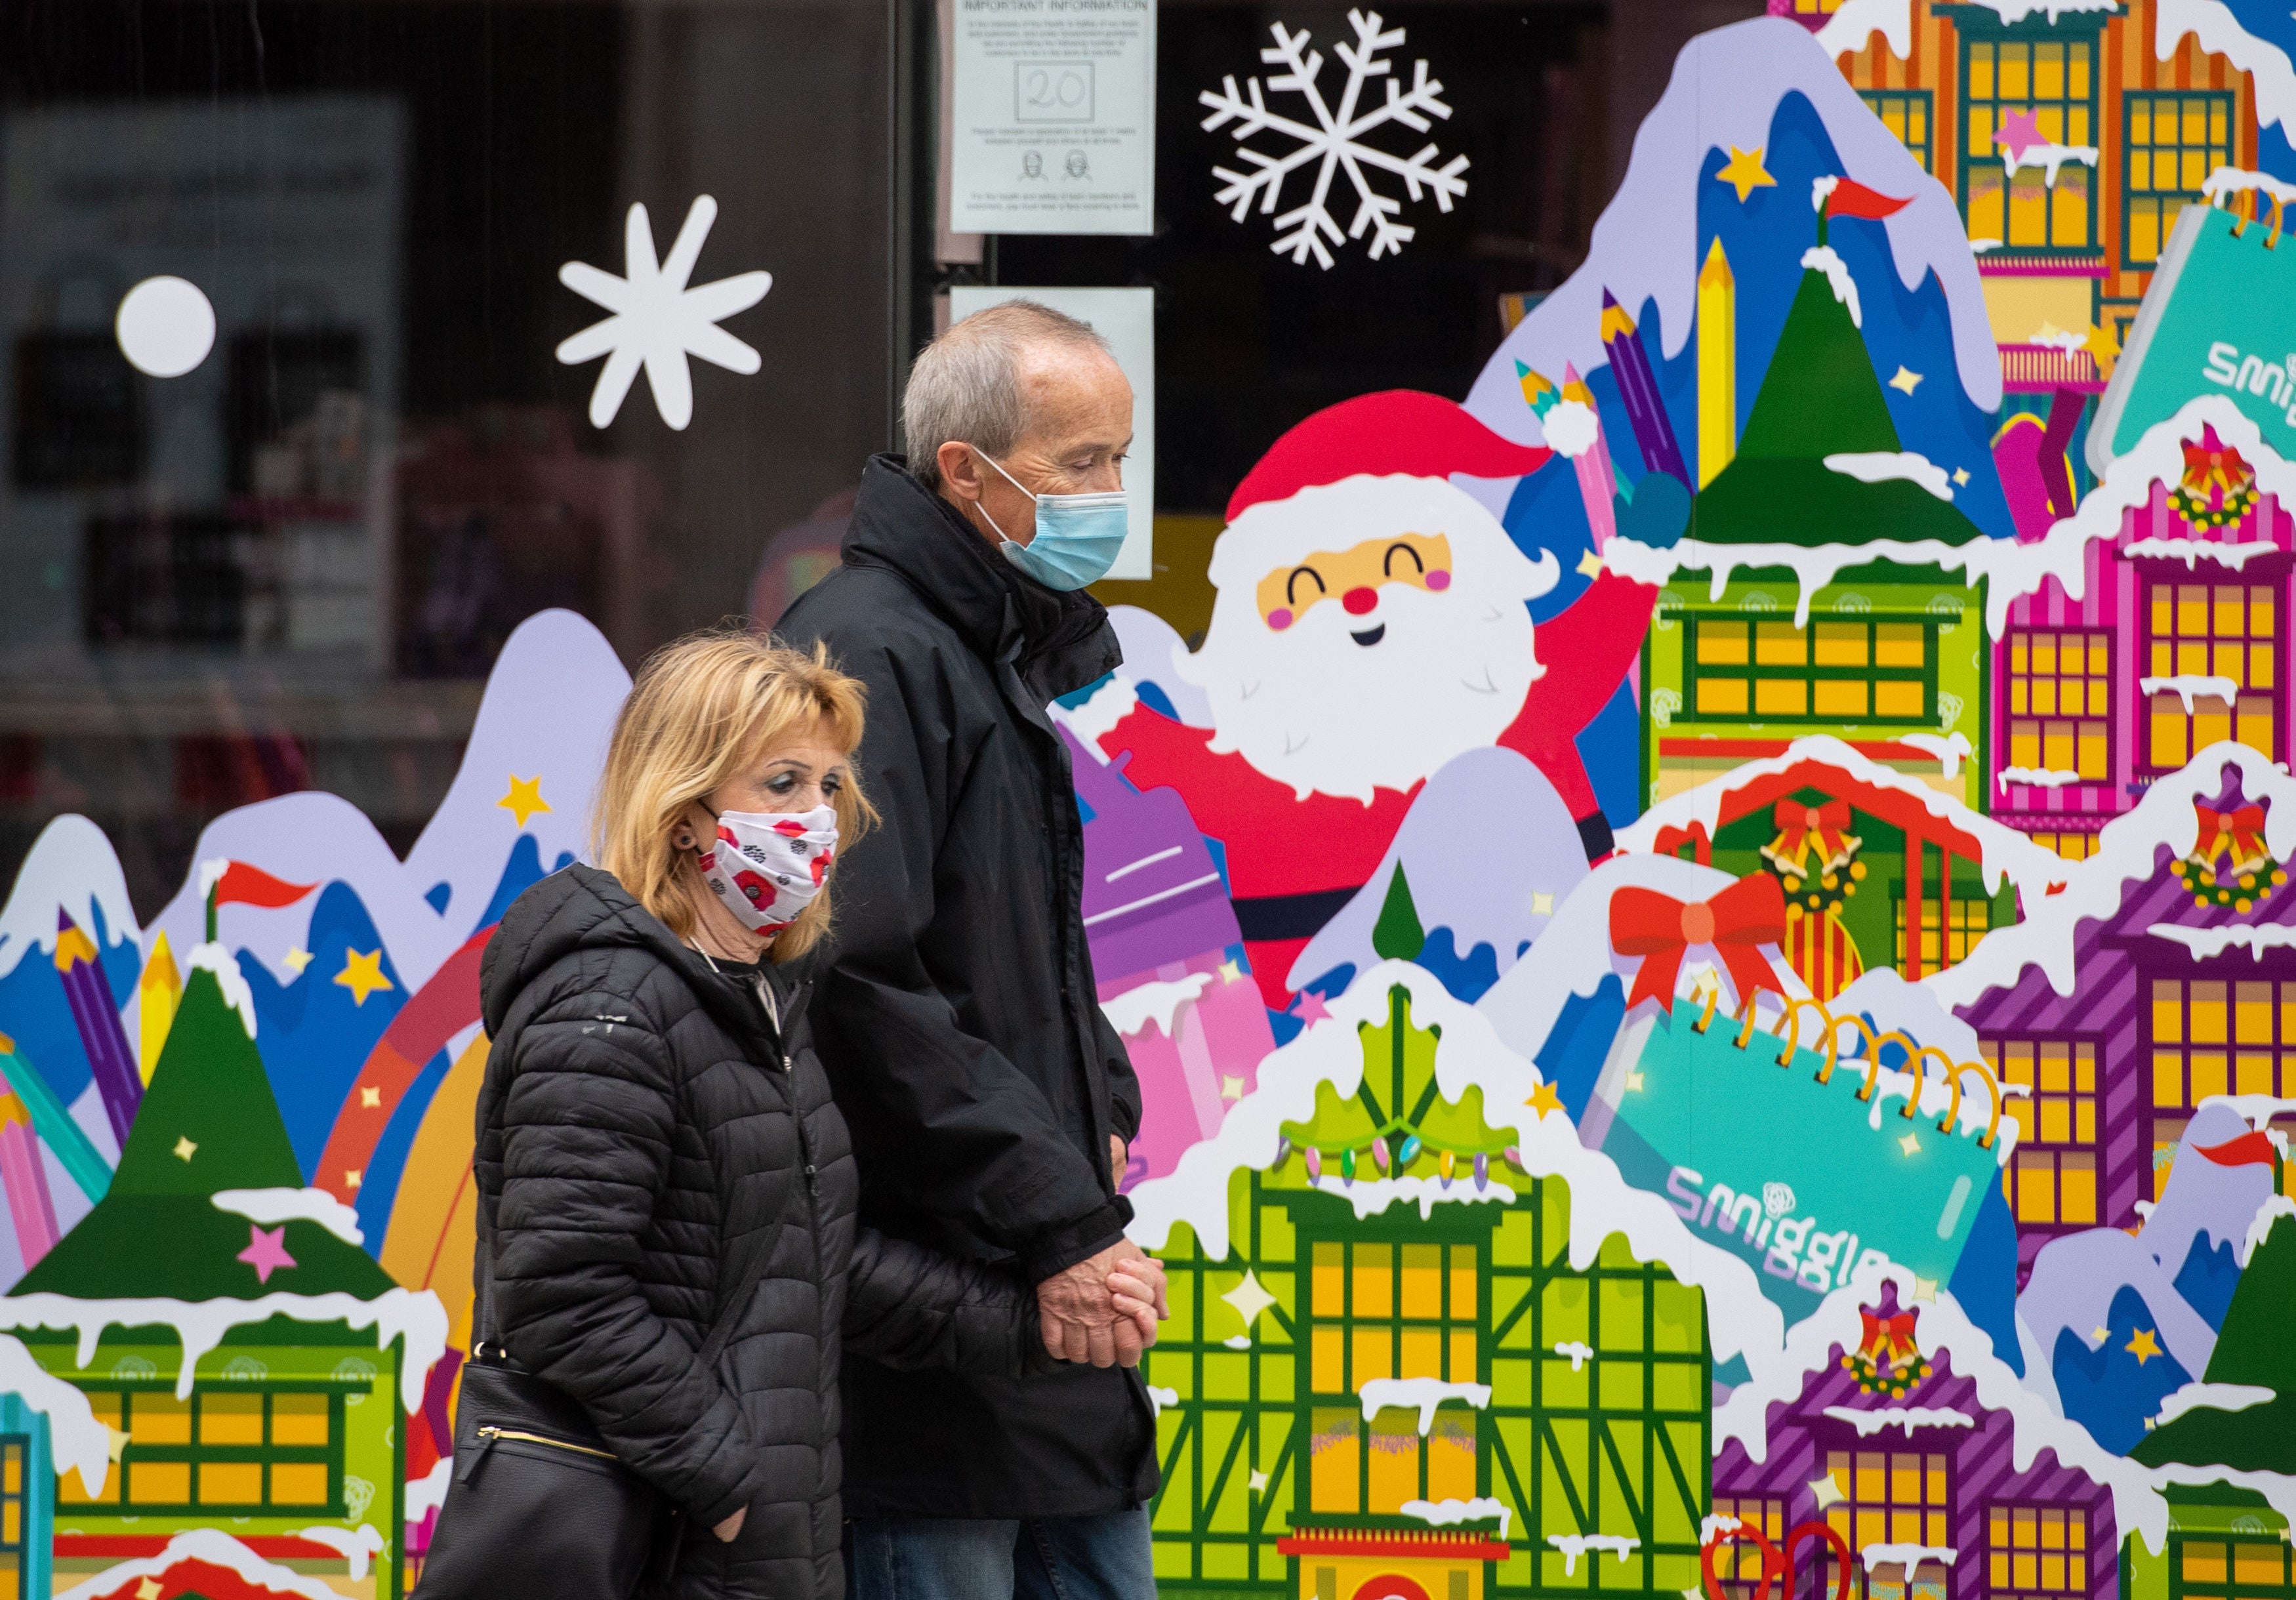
column 1788, row 1035
column 2241, row 218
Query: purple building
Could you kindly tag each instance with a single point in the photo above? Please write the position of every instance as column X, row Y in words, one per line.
column 2163, row 974
column 1904, row 1440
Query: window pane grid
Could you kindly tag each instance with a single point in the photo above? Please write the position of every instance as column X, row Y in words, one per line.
column 2036, row 1550
column 2173, row 142
column 2209, row 1037
column 2052, row 1178
column 1906, row 113
column 1385, row 1311
column 248, row 1449
column 2236, row 1569
column 2052, row 80
column 1945, row 938
column 1876, row 671
column 2060, row 700
column 2212, row 630
column 1890, row 1496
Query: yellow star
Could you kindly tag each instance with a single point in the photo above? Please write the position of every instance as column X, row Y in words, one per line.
column 1231, row 1089
column 1542, row 904
column 1744, row 172
column 1634, row 1081
column 149, row 1589
column 1826, row 1492
column 1906, row 381
column 1960, row 477
column 2102, row 345
column 1590, row 565
column 1230, row 972
column 352, row 1177
column 2100, row 1334
column 1259, row 1484
column 296, row 960
column 1911, row 1144
column 362, row 974
column 1925, row 1289
column 185, row 1148
column 1543, row 1099
column 115, row 1443
column 371, row 1098
column 2143, row 1346
column 524, row 798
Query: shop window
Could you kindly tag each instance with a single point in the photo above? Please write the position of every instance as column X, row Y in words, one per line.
column 2036, row 1550
column 2072, row 846
column 2226, row 634
column 2060, row 703
column 2053, row 1177
column 1739, row 1564
column 2211, row 1037
column 2251, row 1568
column 1905, row 112
column 13, row 1511
column 242, row 1450
column 1382, row 1310
column 2173, row 142
column 1864, row 671
column 1948, row 933
column 1891, row 1497
column 2052, row 80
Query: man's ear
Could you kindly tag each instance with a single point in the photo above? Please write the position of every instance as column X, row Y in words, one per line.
column 960, row 472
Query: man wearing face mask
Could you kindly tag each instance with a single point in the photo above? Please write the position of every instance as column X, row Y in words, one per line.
column 991, row 1101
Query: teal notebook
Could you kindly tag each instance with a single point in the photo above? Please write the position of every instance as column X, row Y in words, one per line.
column 2219, row 319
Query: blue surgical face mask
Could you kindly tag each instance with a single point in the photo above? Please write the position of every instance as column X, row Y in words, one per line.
column 1077, row 538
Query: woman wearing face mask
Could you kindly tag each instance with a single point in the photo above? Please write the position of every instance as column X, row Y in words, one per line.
column 668, row 1252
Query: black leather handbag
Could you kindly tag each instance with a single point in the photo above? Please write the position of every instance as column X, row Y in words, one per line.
column 538, row 1505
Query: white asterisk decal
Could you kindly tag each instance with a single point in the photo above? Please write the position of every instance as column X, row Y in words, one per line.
column 657, row 320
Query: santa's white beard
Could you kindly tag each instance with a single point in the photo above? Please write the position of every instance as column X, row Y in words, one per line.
column 1311, row 708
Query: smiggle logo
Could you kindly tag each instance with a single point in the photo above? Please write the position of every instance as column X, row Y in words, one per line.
column 1790, row 1246
column 2253, row 374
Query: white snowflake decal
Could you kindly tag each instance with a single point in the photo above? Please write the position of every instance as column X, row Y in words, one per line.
column 657, row 320
column 1334, row 141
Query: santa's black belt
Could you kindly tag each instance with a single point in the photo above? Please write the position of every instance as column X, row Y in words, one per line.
column 1271, row 917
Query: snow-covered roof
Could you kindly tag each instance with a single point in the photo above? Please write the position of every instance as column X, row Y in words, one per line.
column 2125, row 851
column 2272, row 79
column 2006, row 852
column 78, row 1442
column 200, row 1326
column 212, row 1547
column 1468, row 1052
column 2139, row 1501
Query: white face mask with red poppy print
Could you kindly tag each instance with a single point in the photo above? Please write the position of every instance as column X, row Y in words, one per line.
column 768, row 865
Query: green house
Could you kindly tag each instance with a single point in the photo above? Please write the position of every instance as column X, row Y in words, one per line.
column 207, row 1248
column 1388, row 1382
column 1878, row 644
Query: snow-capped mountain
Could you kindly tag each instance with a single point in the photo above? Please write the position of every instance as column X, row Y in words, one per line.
column 1488, row 851
column 549, row 709
column 71, row 868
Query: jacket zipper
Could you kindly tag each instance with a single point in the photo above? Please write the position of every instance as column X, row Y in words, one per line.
column 491, row 1434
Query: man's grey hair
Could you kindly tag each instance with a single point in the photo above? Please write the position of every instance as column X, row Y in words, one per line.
column 966, row 384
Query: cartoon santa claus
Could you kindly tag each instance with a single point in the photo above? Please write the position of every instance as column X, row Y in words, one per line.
column 1372, row 622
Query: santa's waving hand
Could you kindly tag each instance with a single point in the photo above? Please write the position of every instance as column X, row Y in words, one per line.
column 1371, row 623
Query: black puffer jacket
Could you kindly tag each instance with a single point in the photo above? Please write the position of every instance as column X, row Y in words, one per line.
column 640, row 1126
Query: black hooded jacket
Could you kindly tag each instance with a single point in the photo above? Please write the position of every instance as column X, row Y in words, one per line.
column 959, row 1014
column 643, row 1129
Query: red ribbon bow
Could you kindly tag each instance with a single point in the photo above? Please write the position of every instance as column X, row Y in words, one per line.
column 1802, row 821
column 1737, row 922
column 2242, row 830
column 1888, row 1338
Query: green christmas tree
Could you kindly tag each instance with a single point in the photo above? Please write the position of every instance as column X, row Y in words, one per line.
column 1819, row 397
column 1396, row 935
column 2253, row 1349
column 207, row 1123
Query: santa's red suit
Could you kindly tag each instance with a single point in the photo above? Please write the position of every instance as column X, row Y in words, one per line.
column 1292, row 863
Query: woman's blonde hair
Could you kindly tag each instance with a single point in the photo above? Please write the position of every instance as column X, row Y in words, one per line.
column 702, row 709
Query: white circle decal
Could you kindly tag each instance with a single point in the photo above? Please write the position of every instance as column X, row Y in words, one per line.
column 166, row 326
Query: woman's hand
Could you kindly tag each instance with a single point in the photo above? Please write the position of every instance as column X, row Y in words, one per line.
column 1137, row 1289
column 730, row 1530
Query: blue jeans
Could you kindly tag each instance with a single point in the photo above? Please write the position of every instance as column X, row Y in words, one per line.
column 1040, row 1558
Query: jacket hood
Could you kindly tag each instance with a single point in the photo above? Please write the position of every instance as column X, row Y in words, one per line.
column 582, row 908
column 1061, row 641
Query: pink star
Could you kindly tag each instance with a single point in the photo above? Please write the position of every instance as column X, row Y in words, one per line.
column 265, row 1252
column 1310, row 1007
column 2018, row 133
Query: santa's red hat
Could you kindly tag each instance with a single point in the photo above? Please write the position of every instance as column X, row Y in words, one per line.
column 1396, row 431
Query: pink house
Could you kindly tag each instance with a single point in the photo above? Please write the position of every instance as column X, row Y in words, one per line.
column 2179, row 637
